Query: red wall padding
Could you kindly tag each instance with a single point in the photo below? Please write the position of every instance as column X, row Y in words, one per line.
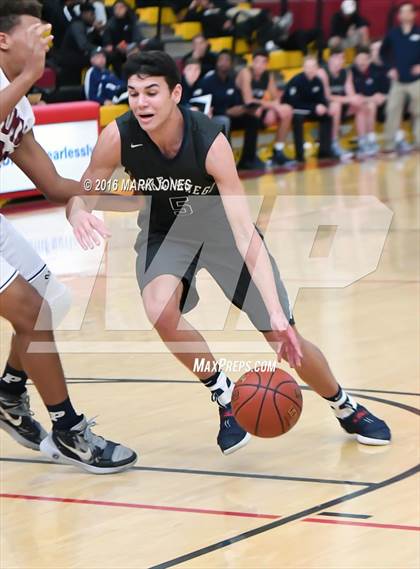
column 376, row 11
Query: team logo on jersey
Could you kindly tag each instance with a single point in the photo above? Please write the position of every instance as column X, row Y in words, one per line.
column 11, row 133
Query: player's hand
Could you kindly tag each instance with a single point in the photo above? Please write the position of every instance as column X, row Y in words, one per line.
column 38, row 39
column 393, row 74
column 415, row 70
column 288, row 343
column 87, row 228
column 192, row 73
column 321, row 110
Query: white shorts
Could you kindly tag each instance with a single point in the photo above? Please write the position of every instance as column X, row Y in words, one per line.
column 18, row 257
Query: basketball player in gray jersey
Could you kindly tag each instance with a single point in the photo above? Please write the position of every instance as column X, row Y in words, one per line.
column 30, row 296
column 196, row 216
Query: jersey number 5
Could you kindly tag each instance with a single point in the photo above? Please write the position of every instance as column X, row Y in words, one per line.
column 180, row 206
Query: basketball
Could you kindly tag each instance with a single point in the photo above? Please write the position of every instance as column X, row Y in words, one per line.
column 267, row 404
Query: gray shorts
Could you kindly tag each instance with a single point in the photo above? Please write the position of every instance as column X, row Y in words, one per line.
column 159, row 256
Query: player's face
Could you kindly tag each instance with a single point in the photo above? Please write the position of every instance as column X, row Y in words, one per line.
column 336, row 62
column 310, row 67
column 362, row 61
column 15, row 42
column 406, row 15
column 224, row 63
column 199, row 46
column 120, row 10
column 259, row 64
column 151, row 100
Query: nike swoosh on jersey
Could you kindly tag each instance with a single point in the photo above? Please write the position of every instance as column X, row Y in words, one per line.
column 83, row 454
column 15, row 421
column 135, row 145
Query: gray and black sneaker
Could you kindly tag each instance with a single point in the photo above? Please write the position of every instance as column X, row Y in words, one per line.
column 16, row 418
column 80, row 447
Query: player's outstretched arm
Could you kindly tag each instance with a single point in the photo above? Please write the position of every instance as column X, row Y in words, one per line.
column 106, row 157
column 38, row 38
column 221, row 165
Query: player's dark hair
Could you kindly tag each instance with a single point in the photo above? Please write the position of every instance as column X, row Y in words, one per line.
column 260, row 53
column 336, row 50
column 153, row 64
column 411, row 4
column 363, row 49
column 225, row 52
column 12, row 10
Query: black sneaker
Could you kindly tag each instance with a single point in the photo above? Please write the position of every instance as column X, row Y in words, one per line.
column 80, row 447
column 255, row 164
column 369, row 430
column 16, row 418
column 231, row 436
column 279, row 159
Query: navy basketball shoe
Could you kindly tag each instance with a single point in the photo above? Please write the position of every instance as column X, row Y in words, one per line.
column 231, row 436
column 369, row 430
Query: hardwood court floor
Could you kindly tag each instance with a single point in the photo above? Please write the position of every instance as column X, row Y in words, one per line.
column 311, row 499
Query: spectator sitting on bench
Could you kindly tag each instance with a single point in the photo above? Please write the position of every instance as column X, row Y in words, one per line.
column 276, row 34
column 100, row 84
column 201, row 52
column 228, row 109
column 189, row 79
column 121, row 32
column 366, row 85
column 305, row 93
column 78, row 42
column 343, row 99
column 348, row 28
column 259, row 90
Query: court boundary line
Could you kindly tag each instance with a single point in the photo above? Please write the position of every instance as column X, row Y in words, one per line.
column 303, row 513
column 193, row 471
column 377, row 525
column 81, row 380
column 287, row 519
column 344, row 515
column 180, row 509
column 134, row 505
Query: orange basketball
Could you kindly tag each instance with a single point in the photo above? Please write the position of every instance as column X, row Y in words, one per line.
column 267, row 404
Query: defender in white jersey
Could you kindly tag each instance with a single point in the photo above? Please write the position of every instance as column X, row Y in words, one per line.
column 30, row 297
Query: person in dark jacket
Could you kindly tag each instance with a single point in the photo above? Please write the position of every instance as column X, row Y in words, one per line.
column 201, row 52
column 348, row 28
column 79, row 41
column 400, row 50
column 367, row 84
column 59, row 13
column 101, row 85
column 305, row 93
column 121, row 33
column 229, row 109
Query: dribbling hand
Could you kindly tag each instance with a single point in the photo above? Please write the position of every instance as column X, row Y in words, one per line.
column 87, row 227
column 288, row 344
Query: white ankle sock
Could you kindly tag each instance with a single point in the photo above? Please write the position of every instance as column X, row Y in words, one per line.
column 279, row 146
column 223, row 388
column 344, row 406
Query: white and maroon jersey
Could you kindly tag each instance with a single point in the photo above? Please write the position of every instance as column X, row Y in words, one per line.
column 18, row 122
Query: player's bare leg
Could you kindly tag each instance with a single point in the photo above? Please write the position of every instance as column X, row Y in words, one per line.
column 282, row 116
column 161, row 299
column 71, row 440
